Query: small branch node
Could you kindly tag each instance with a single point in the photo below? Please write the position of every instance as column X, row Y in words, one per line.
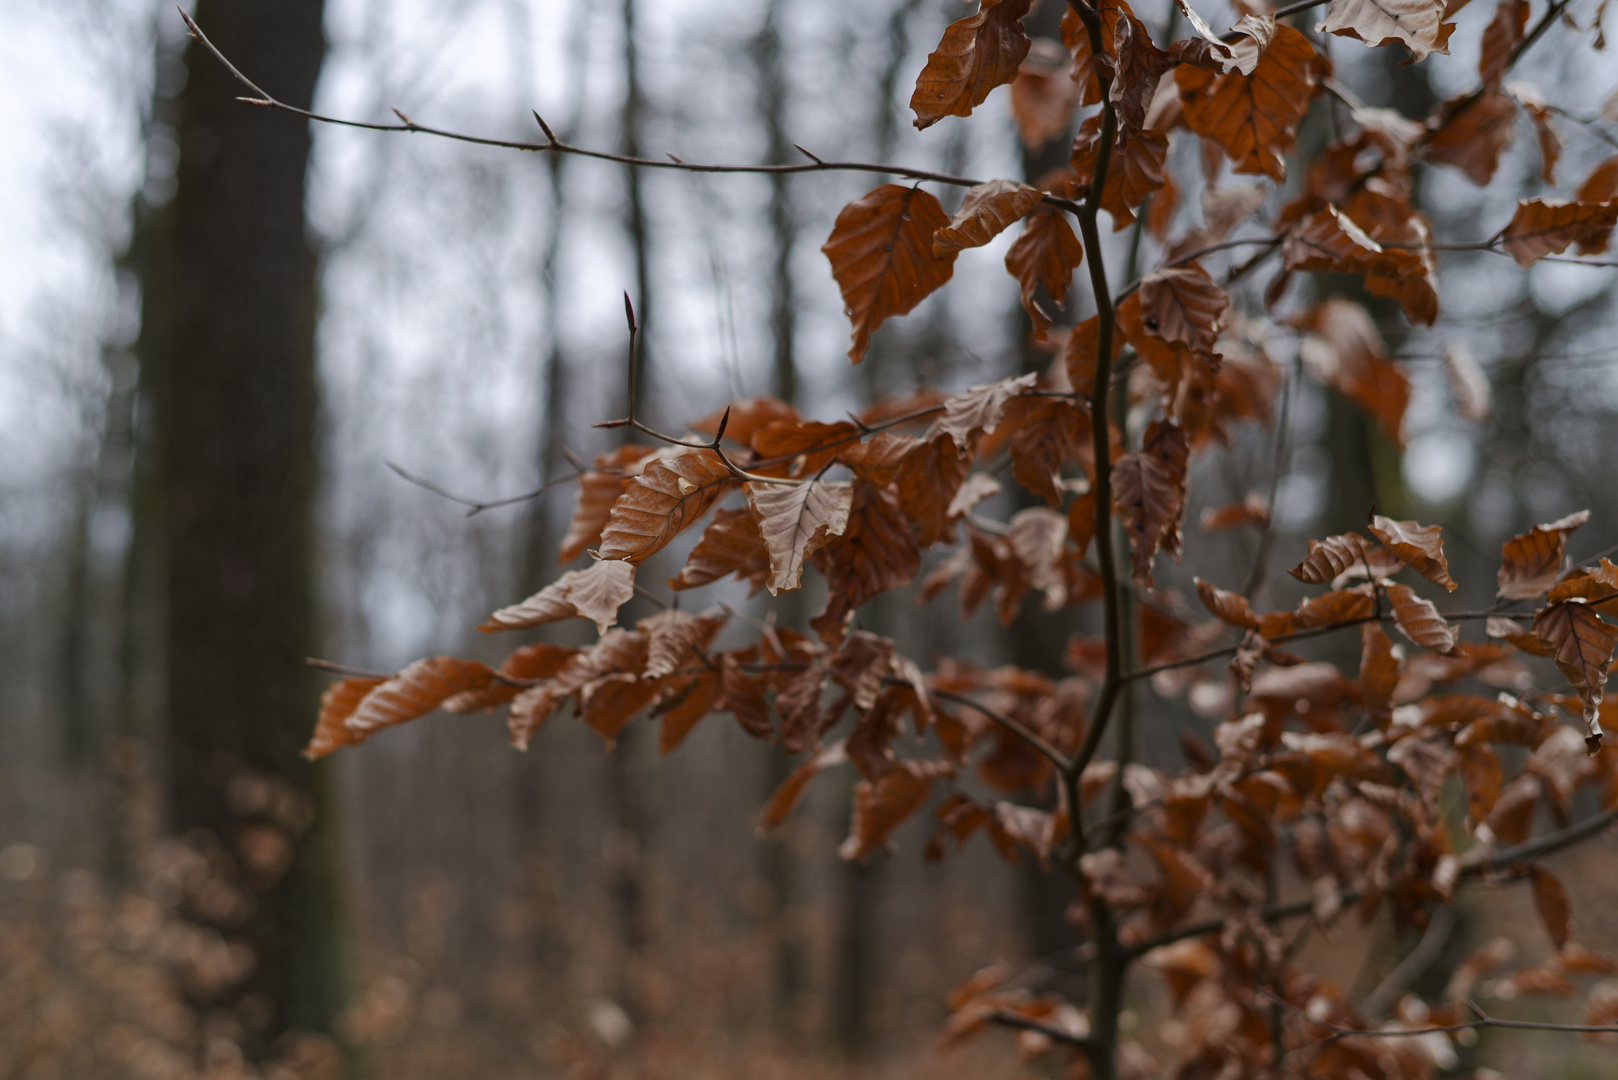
column 812, row 157
column 409, row 123
column 546, row 128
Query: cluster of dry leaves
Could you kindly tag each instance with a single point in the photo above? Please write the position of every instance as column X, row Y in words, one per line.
column 1338, row 780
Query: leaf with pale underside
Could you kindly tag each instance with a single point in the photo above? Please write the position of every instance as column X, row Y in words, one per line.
column 595, row 593
column 1252, row 34
column 975, row 55
column 881, row 253
column 416, row 691
column 1417, row 24
column 731, row 544
column 1530, row 562
column 1582, row 647
column 673, row 637
column 1330, row 557
column 987, row 211
column 1229, row 607
column 795, row 521
column 1183, row 305
column 1542, row 227
column 1419, row 621
column 977, row 410
column 1420, row 547
column 671, row 495
column 786, row 796
column 1254, row 118
column 1045, row 255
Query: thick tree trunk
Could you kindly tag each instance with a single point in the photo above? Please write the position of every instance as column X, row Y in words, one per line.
column 231, row 357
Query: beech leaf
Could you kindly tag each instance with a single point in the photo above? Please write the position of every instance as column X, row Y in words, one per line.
column 795, row 521
column 1419, row 621
column 1582, row 647
column 1420, row 547
column 1330, row 557
column 786, row 796
column 1183, row 305
column 1504, row 31
column 1254, row 118
column 977, row 410
column 599, row 488
column 730, row 544
column 1417, row 24
column 1228, row 607
column 987, row 211
column 877, row 551
column 337, row 703
column 671, row 495
column 1531, row 562
column 882, row 805
column 1542, row 227
column 1044, row 256
column 416, row 691
column 1550, row 900
column 881, row 253
column 976, row 54
column 595, row 593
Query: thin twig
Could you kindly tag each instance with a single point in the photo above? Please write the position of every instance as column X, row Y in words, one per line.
column 475, row 506
column 1484, row 1020
column 1026, row 734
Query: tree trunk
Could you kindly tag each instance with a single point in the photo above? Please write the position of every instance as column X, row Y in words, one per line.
column 231, row 357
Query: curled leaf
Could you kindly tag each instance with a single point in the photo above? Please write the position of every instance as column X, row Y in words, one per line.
column 977, row 54
column 1531, row 561
column 795, row 521
column 595, row 593
column 1582, row 646
column 987, row 211
column 1417, row 24
column 1420, row 547
column 1330, row 557
column 1419, row 621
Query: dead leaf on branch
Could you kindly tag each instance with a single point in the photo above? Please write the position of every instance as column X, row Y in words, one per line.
column 799, row 448
column 1134, row 170
column 795, row 521
column 878, row 460
column 1228, row 607
column 1470, row 132
column 1542, row 227
column 1582, row 647
column 1149, row 503
column 1045, row 255
column 1417, row 24
column 540, row 660
column 786, row 796
column 1505, row 30
column 416, row 691
column 1344, row 351
column 1419, row 621
column 1530, row 562
column 1550, row 900
column 977, row 54
column 746, row 417
column 595, row 593
column 1420, row 547
column 987, row 211
column 1182, row 305
column 1042, row 96
column 881, row 253
column 1254, row 118
column 1047, row 433
column 731, row 544
column 977, row 410
column 1379, row 674
column 675, row 637
column 1210, row 50
column 883, row 805
column 599, row 488
column 876, row 552
column 668, row 497
column 337, row 703
column 1083, row 350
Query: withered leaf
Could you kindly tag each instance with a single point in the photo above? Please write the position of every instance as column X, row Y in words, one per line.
column 795, row 521
column 1550, row 900
column 1468, row 383
column 730, row 544
column 977, row 54
column 786, row 796
column 608, row 704
column 1228, row 607
column 669, row 496
column 1344, row 351
column 1082, row 352
column 877, row 460
column 1044, row 256
column 599, row 488
column 1471, row 132
column 928, row 481
column 1254, row 118
column 1184, row 306
column 799, row 448
column 1333, row 609
column 977, row 410
column 1500, row 38
column 799, row 707
column 1420, row 547
column 746, row 417
column 1042, row 96
column 540, row 660
column 416, row 691
column 1600, row 186
column 881, row 253
column 1038, row 538
column 595, row 593
column 337, row 703
column 1542, row 227
column 1531, row 561
column 1417, row 24
column 1134, row 169
column 1582, row 646
column 1419, row 621
column 1253, row 510
column 682, row 710
column 876, row 552
column 1379, row 674
column 881, row 806
column 1148, row 503
column 987, row 211
column 674, row 636
column 1047, row 433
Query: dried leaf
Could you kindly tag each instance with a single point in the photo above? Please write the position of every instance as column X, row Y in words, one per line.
column 1330, row 557
column 685, row 707
column 1042, row 96
column 1228, row 607
column 674, row 637
column 1344, row 351
column 883, row 805
column 1184, row 306
column 599, row 488
column 1038, row 538
column 595, row 593
column 1472, row 132
column 876, row 552
column 1550, row 900
column 1379, row 674
column 1419, row 621
column 1048, row 432
column 786, row 796
column 730, row 544
column 987, row 211
column 1530, row 562
column 1500, row 38
column 799, row 448
column 416, row 691
column 795, row 521
column 1542, row 227
column 1134, row 169
column 881, row 253
column 671, row 495
column 1254, row 118
column 928, row 482
column 1044, row 256
column 1333, row 609
column 1417, row 24
column 977, row 54
column 1420, row 547
column 337, row 703
column 1253, row 510
column 540, row 660
column 1083, row 349
column 1600, row 186
column 977, row 410
column 1468, row 384
column 878, row 459
column 1582, row 646
column 746, row 417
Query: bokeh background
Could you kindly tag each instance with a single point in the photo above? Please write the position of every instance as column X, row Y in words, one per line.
column 565, row 911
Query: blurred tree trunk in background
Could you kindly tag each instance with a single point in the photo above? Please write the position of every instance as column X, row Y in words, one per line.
column 229, row 350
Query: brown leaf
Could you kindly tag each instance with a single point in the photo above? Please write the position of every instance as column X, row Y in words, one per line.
column 671, row 495
column 538, row 661
column 1184, row 306
column 883, row 805
column 608, row 704
column 1211, row 51
column 977, row 54
column 416, row 691
column 1600, row 186
column 1228, row 607
column 1042, row 96
column 1379, row 674
column 1083, row 349
column 1048, row 432
column 1505, row 30
column 1417, row 24
column 795, row 521
column 1134, row 169
column 746, row 417
column 1254, row 118
column 1594, row 586
column 1480, row 768
column 1419, row 621
column 1038, row 538
column 987, row 211
column 1344, row 351
column 674, row 637
column 1420, row 547
column 1331, row 242
column 1471, row 132
column 878, row 459
column 799, row 448
column 599, row 488
column 1542, row 227
column 685, row 707
column 928, row 482
column 876, row 552
column 1148, row 502
column 1550, row 143
column 595, row 593
column 1333, row 609
column 1550, row 900
column 742, row 695
column 799, row 707
column 1081, row 521
column 881, row 253
column 337, row 703
column 977, row 410
column 1045, row 255
column 730, row 544
column 1252, row 510
column 786, row 796
column 1336, row 752
column 1531, row 561
column 1582, row 646
column 1330, row 557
